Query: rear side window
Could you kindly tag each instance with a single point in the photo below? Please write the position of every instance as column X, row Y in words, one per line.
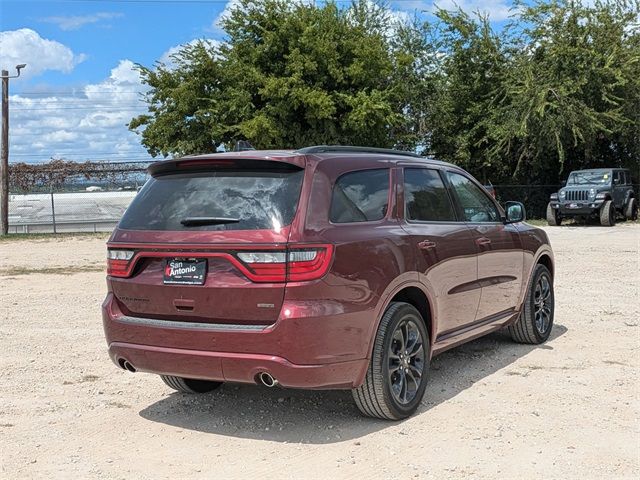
column 251, row 199
column 361, row 196
column 426, row 197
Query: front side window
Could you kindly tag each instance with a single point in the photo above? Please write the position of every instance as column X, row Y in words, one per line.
column 475, row 204
column 361, row 196
column 425, row 196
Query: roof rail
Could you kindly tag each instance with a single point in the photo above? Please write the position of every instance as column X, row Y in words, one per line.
column 350, row 149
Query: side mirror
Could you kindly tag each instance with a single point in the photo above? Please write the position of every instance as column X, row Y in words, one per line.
column 515, row 212
column 563, row 183
column 616, row 181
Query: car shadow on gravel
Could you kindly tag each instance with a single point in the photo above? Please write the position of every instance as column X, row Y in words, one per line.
column 317, row 417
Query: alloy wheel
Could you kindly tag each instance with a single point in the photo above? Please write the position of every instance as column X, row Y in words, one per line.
column 406, row 361
column 542, row 304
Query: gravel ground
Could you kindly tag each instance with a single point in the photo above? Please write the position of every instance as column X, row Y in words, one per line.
column 567, row 409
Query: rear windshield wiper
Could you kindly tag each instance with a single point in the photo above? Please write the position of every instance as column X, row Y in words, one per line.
column 201, row 221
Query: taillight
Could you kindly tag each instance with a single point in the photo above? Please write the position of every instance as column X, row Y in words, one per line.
column 118, row 262
column 294, row 265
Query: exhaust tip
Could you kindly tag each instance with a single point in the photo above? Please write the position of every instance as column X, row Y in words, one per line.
column 125, row 365
column 267, row 380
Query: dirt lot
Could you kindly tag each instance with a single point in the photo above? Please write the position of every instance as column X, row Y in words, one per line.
column 568, row 409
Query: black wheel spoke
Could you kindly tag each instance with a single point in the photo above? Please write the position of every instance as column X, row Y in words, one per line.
column 406, row 361
column 542, row 302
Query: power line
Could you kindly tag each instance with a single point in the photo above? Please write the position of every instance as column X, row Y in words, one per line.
column 105, row 92
column 75, row 108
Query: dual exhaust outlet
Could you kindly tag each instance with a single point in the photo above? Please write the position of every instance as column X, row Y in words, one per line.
column 267, row 380
column 263, row 378
column 125, row 365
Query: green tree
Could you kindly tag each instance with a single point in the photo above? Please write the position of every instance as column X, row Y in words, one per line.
column 572, row 94
column 290, row 74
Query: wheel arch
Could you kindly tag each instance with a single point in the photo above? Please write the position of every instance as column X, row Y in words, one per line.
column 547, row 261
column 413, row 294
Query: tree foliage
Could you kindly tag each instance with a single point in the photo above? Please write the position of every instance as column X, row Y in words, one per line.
column 557, row 87
column 289, row 74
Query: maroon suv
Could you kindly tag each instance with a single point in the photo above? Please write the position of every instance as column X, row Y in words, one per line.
column 321, row 268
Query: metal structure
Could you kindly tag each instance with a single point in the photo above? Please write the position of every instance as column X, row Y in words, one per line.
column 4, row 154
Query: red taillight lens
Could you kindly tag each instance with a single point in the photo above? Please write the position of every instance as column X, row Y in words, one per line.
column 118, row 262
column 295, row 265
column 309, row 264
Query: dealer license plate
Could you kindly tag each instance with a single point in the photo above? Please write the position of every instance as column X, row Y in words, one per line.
column 185, row 271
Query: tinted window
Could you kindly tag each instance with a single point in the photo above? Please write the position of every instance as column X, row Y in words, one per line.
column 258, row 199
column 360, row 196
column 476, row 205
column 426, row 197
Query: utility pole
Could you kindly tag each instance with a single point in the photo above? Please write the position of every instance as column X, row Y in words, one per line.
column 4, row 154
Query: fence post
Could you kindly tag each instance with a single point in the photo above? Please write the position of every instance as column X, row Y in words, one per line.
column 53, row 212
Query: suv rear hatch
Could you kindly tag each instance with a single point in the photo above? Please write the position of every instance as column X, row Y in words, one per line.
column 206, row 240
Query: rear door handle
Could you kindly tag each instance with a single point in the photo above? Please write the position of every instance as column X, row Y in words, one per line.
column 483, row 241
column 426, row 245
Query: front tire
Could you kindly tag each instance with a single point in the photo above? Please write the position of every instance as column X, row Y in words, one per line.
column 553, row 216
column 608, row 214
column 536, row 320
column 631, row 212
column 190, row 385
column 397, row 376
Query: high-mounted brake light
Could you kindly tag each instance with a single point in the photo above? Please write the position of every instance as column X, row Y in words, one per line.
column 204, row 163
column 296, row 265
column 118, row 262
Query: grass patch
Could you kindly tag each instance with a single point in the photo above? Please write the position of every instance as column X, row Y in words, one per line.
column 70, row 270
column 13, row 237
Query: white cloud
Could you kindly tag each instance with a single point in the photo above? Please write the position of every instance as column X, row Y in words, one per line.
column 85, row 124
column 74, row 22
column 166, row 56
column 40, row 54
column 231, row 5
column 497, row 10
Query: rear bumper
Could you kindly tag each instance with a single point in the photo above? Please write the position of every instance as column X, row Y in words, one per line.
column 235, row 367
column 307, row 350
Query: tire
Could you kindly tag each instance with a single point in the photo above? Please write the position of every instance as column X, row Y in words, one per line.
column 387, row 381
column 608, row 214
column 536, row 319
column 553, row 219
column 189, row 385
column 631, row 211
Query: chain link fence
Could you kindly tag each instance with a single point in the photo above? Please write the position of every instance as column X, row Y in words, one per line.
column 85, row 206
column 57, row 202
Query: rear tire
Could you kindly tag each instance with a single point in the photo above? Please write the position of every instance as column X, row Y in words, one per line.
column 608, row 214
column 553, row 217
column 631, row 212
column 397, row 376
column 190, row 385
column 536, row 319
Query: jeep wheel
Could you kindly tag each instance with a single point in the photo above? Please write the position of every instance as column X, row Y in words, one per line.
column 608, row 214
column 536, row 319
column 553, row 216
column 397, row 376
column 189, row 385
column 631, row 212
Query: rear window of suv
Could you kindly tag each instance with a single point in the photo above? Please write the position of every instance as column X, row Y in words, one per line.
column 253, row 199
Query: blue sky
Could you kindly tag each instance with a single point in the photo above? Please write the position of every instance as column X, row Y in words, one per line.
column 79, row 90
